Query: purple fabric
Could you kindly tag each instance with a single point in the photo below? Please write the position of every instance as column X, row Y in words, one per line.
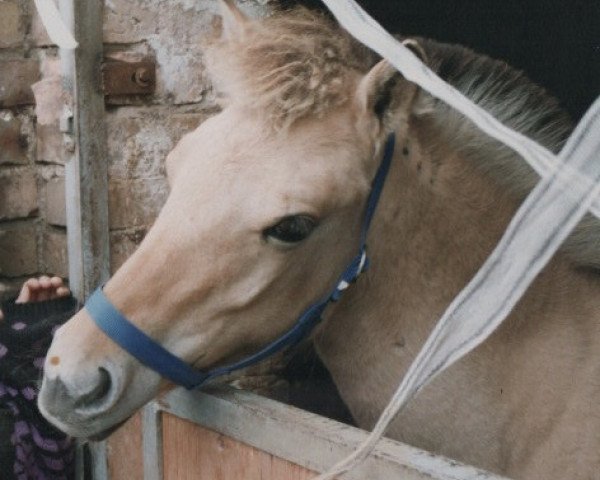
column 39, row 451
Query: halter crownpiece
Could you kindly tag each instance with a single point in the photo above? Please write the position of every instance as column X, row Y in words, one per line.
column 153, row 355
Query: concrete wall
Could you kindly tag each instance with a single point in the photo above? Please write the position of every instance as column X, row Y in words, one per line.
column 141, row 129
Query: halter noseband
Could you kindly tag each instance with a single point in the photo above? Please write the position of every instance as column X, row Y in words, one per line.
column 155, row 356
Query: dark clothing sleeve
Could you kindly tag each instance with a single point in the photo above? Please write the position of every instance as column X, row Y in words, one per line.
column 30, row 448
column 26, row 333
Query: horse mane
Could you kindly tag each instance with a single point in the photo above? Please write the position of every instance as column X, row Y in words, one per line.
column 517, row 102
column 299, row 63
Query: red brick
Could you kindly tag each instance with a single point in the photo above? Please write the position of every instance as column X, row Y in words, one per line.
column 49, row 104
column 141, row 138
column 38, row 34
column 18, row 193
column 13, row 142
column 130, row 21
column 49, row 95
column 11, row 24
column 54, row 253
column 50, row 69
column 18, row 249
column 135, row 203
column 50, row 146
column 55, row 201
column 16, row 77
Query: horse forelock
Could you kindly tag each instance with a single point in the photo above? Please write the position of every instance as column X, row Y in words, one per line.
column 289, row 66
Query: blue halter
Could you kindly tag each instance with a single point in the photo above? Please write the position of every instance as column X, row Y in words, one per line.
column 153, row 355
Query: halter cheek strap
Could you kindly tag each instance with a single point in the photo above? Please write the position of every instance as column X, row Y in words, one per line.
column 153, row 355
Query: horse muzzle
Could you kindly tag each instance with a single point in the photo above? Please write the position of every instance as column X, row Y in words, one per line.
column 79, row 408
column 87, row 388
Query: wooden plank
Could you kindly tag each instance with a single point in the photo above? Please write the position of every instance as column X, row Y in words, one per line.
column 87, row 171
column 124, row 452
column 193, row 452
column 303, row 438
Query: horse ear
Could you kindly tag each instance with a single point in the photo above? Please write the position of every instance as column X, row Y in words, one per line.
column 386, row 94
column 415, row 47
column 234, row 20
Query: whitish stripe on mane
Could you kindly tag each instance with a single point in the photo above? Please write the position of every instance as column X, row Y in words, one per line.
column 518, row 103
column 299, row 64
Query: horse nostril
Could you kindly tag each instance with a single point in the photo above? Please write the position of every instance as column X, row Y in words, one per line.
column 98, row 392
column 85, row 396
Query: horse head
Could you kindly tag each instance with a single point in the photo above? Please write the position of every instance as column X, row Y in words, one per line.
column 265, row 209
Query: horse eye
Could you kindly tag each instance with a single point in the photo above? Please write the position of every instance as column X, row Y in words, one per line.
column 292, row 229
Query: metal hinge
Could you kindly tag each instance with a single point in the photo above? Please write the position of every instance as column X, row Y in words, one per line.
column 128, row 78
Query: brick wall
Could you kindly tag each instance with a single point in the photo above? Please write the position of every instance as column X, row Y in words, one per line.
column 32, row 233
column 141, row 130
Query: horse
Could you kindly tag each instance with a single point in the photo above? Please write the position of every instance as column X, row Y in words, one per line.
column 265, row 208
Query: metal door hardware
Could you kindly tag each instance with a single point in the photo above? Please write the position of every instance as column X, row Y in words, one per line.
column 128, row 78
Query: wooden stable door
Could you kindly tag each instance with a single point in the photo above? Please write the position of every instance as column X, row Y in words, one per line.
column 236, row 435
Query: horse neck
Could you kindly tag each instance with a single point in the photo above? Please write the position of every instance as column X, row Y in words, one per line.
column 437, row 221
column 440, row 216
